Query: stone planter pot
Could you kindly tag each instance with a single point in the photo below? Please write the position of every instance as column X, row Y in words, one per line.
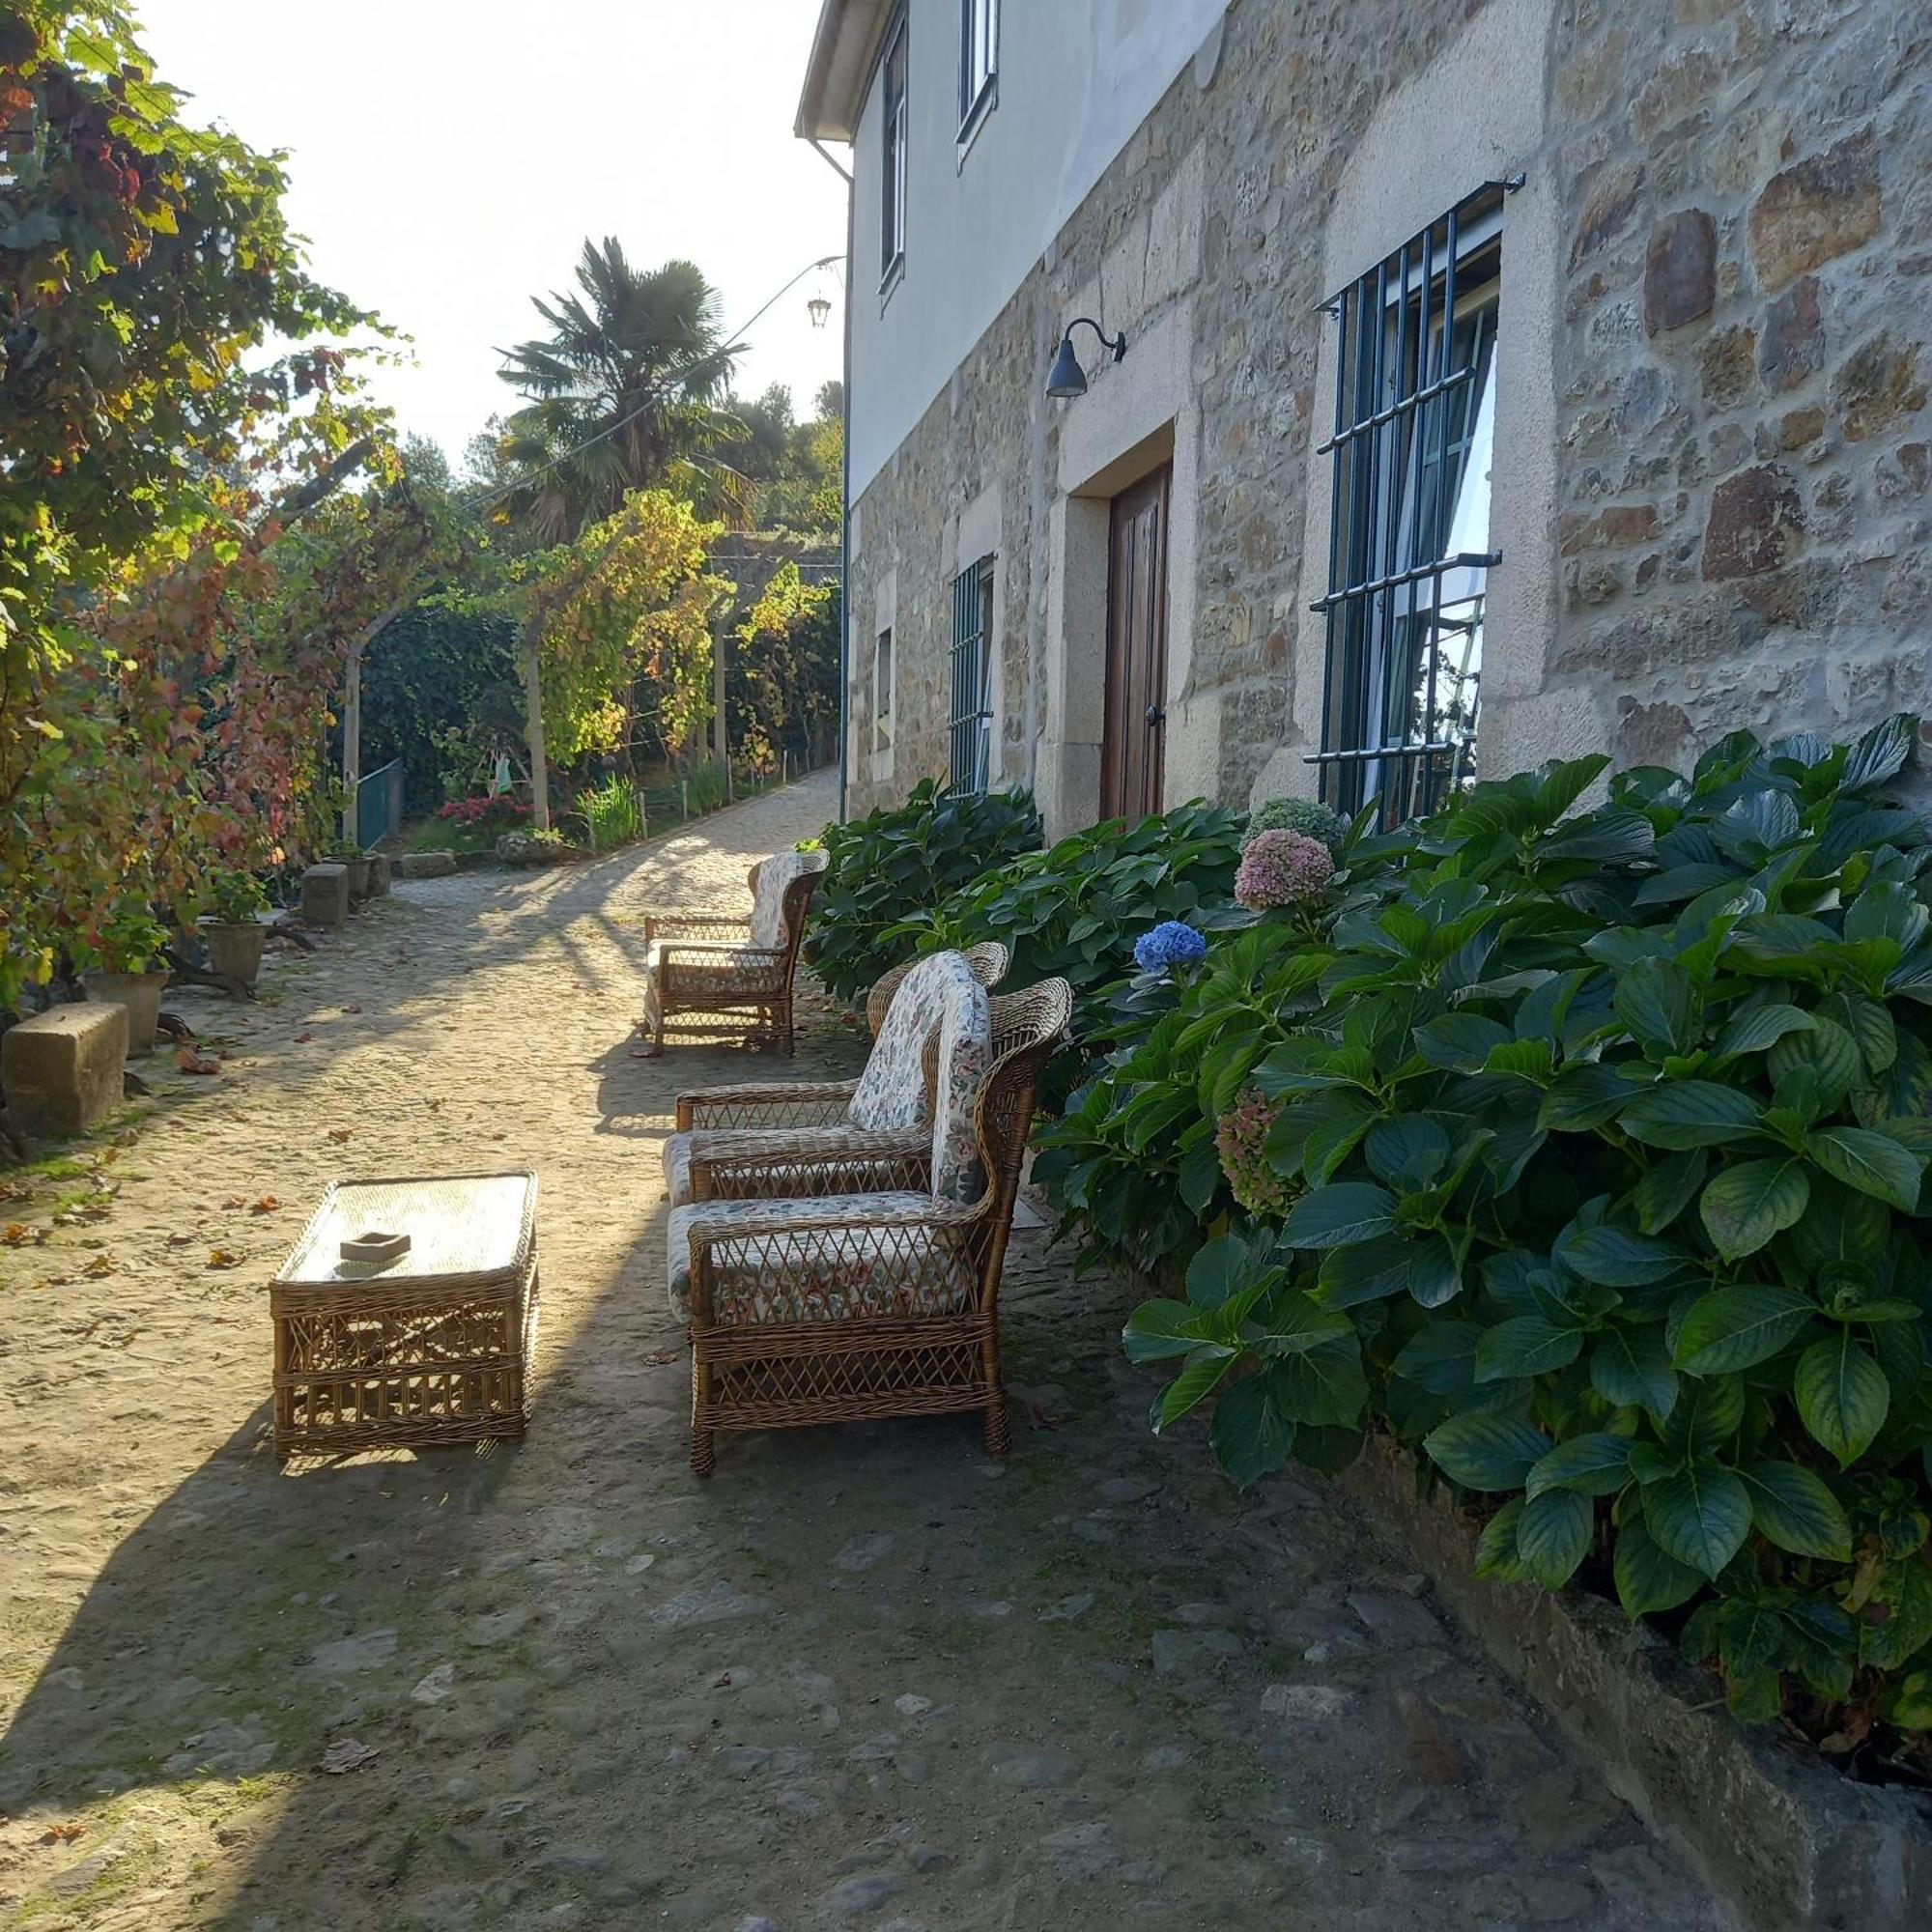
column 235, row 948
column 358, row 877
column 140, row 993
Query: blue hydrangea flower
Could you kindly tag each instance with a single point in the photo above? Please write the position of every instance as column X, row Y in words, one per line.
column 1170, row 944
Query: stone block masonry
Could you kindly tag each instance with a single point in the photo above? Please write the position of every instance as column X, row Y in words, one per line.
column 324, row 899
column 1711, row 482
column 62, row 1068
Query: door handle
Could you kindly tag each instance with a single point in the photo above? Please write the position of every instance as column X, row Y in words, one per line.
column 1156, row 715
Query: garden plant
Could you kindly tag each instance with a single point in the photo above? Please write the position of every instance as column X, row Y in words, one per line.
column 892, row 866
column 1582, row 1151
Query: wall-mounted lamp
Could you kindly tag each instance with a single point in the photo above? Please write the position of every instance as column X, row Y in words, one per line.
column 1066, row 378
column 818, row 309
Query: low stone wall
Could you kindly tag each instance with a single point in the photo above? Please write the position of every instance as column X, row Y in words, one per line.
column 1794, row 1846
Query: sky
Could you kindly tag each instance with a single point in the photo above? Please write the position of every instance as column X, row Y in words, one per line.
column 448, row 157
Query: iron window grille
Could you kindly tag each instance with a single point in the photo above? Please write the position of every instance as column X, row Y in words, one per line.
column 1409, row 533
column 892, row 175
column 970, row 724
column 979, row 58
column 882, row 691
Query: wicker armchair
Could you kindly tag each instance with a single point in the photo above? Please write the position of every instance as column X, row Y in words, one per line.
column 727, row 975
column 835, row 1308
column 989, row 960
column 875, row 1123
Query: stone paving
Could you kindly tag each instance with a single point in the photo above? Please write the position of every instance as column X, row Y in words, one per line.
column 863, row 1677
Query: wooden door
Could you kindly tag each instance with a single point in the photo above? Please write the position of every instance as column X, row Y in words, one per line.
column 1136, row 719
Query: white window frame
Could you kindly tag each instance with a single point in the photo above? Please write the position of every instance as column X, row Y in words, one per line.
column 896, row 128
column 979, row 65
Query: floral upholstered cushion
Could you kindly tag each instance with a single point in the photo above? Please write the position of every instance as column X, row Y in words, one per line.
column 773, row 876
column 965, row 1055
column 677, row 1169
column 892, row 1091
column 854, row 1255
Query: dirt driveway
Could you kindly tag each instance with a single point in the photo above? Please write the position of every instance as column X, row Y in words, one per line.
column 863, row 1677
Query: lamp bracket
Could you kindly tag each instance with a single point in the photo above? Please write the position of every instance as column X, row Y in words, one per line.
column 1116, row 344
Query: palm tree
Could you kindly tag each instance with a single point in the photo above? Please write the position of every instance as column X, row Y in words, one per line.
column 624, row 393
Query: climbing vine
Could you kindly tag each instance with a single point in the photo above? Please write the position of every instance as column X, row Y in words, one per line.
column 629, row 600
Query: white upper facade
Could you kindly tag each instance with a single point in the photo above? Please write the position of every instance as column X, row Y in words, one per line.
column 1071, row 81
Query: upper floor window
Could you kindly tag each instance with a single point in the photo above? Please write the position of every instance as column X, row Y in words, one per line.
column 892, row 176
column 979, row 58
column 1408, row 537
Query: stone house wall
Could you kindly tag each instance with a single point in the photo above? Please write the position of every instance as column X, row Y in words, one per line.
column 1712, row 455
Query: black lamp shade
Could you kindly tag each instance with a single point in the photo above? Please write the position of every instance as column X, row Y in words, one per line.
column 1066, row 378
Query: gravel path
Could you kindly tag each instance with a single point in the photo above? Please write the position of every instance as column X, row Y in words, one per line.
column 863, row 1677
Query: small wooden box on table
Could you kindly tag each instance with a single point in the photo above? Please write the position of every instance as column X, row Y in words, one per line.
column 434, row 1346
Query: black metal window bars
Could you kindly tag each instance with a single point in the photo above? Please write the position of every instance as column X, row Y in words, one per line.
column 970, row 723
column 1406, row 560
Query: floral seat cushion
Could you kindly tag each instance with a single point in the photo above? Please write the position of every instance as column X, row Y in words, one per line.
column 883, row 1255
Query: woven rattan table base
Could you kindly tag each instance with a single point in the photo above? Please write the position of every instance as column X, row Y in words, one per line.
column 397, row 1365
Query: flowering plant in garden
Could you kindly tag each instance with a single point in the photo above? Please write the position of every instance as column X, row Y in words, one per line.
column 1170, row 944
column 502, row 809
column 1280, row 868
column 1306, row 815
column 1240, row 1140
column 1602, row 1148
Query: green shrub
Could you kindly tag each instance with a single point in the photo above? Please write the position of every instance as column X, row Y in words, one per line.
column 889, row 867
column 613, row 813
column 705, row 789
column 1075, row 910
column 234, row 897
column 1606, row 1137
column 1306, row 815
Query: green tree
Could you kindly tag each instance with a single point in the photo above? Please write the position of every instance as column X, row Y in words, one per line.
column 625, row 392
column 155, row 463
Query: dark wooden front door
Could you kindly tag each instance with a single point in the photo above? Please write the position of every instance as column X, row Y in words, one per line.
column 1130, row 755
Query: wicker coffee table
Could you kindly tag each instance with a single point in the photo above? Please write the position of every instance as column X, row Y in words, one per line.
column 433, row 1346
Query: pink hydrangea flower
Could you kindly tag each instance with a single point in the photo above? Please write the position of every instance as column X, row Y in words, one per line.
column 1282, row 868
column 1240, row 1139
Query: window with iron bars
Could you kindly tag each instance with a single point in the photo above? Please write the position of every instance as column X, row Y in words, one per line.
column 1408, row 538
column 970, row 721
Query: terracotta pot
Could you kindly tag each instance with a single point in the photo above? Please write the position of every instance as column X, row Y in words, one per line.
column 235, row 948
column 140, row 993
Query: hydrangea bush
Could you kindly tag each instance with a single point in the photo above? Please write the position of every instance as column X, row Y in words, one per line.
column 1602, row 1148
column 894, row 866
column 1241, row 1142
column 1170, row 944
column 1282, row 868
column 1306, row 815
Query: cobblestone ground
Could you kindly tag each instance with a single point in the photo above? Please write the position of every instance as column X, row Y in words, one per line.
column 863, row 1677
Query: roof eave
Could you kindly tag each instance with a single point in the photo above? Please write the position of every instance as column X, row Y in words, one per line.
column 843, row 49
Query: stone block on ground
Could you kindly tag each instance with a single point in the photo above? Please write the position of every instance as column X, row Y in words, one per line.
column 324, row 899
column 379, row 875
column 62, row 1068
column 426, row 864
